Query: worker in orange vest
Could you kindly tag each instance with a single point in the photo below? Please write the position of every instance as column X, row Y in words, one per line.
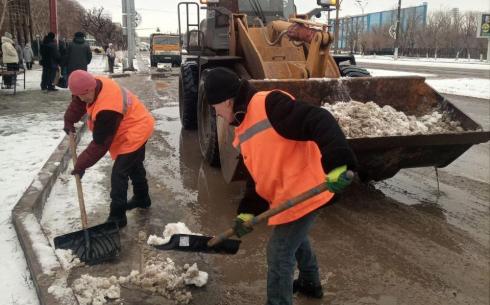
column 120, row 124
column 287, row 147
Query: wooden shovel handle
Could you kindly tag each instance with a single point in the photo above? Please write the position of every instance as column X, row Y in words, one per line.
column 274, row 211
column 81, row 202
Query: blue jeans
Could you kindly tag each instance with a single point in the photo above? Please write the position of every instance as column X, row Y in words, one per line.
column 287, row 246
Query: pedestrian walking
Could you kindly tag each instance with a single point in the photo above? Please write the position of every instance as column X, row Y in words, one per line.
column 18, row 49
column 111, row 56
column 120, row 124
column 287, row 147
column 28, row 55
column 78, row 54
column 63, row 49
column 9, row 58
column 50, row 58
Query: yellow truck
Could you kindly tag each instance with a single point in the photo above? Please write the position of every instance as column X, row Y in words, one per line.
column 165, row 48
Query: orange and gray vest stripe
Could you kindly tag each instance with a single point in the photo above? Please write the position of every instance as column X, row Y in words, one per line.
column 137, row 124
column 281, row 168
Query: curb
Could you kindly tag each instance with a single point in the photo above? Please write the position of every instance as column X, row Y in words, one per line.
column 41, row 259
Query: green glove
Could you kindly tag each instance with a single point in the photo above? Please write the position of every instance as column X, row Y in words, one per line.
column 337, row 180
column 238, row 226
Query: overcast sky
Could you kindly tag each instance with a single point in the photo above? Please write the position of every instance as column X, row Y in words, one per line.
column 163, row 13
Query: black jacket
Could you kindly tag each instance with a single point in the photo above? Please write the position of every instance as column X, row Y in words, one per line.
column 299, row 121
column 50, row 57
column 78, row 55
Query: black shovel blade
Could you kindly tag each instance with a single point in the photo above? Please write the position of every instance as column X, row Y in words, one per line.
column 199, row 243
column 92, row 245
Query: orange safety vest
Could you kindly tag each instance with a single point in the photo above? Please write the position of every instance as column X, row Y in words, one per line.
column 137, row 124
column 281, row 168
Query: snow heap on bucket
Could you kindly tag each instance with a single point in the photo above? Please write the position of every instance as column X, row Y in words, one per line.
column 370, row 120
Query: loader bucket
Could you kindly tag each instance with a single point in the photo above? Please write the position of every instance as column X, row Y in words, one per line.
column 382, row 157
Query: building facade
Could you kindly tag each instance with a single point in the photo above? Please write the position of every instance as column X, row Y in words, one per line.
column 353, row 26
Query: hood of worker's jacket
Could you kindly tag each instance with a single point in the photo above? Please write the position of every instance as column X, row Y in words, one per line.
column 27, row 46
column 79, row 40
column 6, row 39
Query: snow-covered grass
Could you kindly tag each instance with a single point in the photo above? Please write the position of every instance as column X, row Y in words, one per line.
column 473, row 87
column 427, row 62
column 380, row 72
column 26, row 142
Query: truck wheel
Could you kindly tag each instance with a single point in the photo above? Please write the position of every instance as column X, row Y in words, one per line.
column 188, row 95
column 207, row 132
column 353, row 71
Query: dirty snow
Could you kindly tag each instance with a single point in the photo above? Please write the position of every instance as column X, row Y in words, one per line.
column 60, row 290
column 162, row 276
column 96, row 290
column 170, row 229
column 370, row 120
column 67, row 259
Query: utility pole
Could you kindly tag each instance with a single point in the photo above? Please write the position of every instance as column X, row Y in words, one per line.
column 336, row 39
column 128, row 12
column 397, row 30
column 53, row 16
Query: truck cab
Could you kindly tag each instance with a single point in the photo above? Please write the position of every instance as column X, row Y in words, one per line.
column 165, row 48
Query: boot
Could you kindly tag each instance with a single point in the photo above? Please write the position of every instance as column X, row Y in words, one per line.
column 118, row 216
column 308, row 289
column 139, row 202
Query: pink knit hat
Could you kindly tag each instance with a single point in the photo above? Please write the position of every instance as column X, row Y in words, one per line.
column 81, row 82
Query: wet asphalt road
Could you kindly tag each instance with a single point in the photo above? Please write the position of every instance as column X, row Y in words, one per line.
column 394, row 242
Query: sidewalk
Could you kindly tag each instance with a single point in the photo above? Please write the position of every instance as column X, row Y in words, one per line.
column 30, row 129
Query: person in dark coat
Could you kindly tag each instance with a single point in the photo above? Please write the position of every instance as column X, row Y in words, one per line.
column 78, row 55
column 50, row 61
column 63, row 47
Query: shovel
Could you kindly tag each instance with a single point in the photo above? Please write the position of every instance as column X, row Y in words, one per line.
column 221, row 243
column 95, row 244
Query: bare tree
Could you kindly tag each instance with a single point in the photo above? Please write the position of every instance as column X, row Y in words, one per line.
column 96, row 23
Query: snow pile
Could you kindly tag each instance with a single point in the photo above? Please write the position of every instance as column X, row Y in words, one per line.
column 67, row 259
column 370, row 120
column 163, row 277
column 159, row 276
column 96, row 290
column 170, row 229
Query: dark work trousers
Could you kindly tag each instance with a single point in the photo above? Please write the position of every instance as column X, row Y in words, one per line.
column 8, row 79
column 48, row 77
column 128, row 166
column 111, row 63
column 29, row 65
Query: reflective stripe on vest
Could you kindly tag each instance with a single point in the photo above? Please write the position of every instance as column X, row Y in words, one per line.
column 281, row 168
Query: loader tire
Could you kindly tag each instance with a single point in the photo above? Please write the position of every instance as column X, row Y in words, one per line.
column 207, row 129
column 188, row 95
column 353, row 71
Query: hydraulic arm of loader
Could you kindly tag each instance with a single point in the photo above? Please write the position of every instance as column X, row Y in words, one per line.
column 294, row 49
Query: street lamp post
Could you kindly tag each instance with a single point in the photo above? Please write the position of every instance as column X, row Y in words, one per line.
column 397, row 30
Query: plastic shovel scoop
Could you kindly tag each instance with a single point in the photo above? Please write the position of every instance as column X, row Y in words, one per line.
column 95, row 244
column 221, row 243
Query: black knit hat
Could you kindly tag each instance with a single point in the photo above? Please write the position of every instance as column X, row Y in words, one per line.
column 51, row 35
column 220, row 84
column 79, row 35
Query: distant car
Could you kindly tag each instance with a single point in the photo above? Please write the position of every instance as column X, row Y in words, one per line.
column 165, row 48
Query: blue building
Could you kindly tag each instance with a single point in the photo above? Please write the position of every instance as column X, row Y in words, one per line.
column 368, row 22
